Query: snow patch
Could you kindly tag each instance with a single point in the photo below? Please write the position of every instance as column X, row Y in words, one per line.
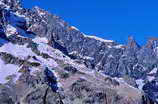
column 73, row 27
column 118, row 46
column 109, row 46
column 111, row 56
column 19, row 15
column 6, row 70
column 47, row 62
column 153, row 71
column 58, row 79
column 121, row 80
column 10, row 30
column 88, row 58
column 73, row 53
column 0, row 2
column 40, row 40
column 20, row 51
column 99, row 39
column 44, row 48
column 140, row 83
column 33, row 70
column 150, row 78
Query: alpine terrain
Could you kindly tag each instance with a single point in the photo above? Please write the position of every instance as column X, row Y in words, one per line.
column 44, row 60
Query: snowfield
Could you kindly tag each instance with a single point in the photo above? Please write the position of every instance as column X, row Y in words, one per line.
column 6, row 70
column 20, row 51
column 99, row 39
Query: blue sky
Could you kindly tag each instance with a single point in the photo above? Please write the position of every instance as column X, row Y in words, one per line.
column 109, row 19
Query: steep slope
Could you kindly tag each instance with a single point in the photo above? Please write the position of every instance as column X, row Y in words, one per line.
column 44, row 60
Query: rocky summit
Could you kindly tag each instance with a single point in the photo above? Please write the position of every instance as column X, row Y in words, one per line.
column 44, row 60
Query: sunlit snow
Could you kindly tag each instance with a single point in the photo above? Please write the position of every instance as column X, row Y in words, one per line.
column 6, row 70
column 40, row 40
column 140, row 83
column 100, row 39
column 20, row 51
column 153, row 71
column 10, row 30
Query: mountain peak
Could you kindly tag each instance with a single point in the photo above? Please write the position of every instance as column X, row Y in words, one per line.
column 132, row 43
column 152, row 42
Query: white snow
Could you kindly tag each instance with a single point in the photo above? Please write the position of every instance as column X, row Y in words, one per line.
column 73, row 27
column 88, row 58
column 20, row 51
column 73, row 52
column 153, row 71
column 61, row 24
column 40, row 11
column 99, row 39
column 44, row 48
column 1, row 2
column 140, row 83
column 150, row 78
column 118, row 46
column 156, row 50
column 6, row 70
column 50, row 63
column 109, row 46
column 19, row 15
column 78, row 66
column 40, row 40
column 10, row 30
column 47, row 62
column 111, row 56
column 121, row 80
column 33, row 70
column 58, row 78
column 156, row 99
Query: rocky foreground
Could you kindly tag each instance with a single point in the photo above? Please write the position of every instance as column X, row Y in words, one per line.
column 44, row 60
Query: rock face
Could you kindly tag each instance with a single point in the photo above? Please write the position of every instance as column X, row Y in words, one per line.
column 44, row 60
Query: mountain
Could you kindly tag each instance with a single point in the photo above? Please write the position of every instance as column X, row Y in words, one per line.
column 44, row 60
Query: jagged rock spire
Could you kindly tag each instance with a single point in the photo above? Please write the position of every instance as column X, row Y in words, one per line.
column 132, row 43
column 152, row 43
column 132, row 46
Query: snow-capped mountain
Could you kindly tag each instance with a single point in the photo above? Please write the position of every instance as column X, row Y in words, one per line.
column 44, row 60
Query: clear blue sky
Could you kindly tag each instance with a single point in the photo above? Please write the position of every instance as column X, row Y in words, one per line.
column 109, row 19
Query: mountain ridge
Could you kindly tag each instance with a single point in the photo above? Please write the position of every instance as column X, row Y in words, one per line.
column 53, row 62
